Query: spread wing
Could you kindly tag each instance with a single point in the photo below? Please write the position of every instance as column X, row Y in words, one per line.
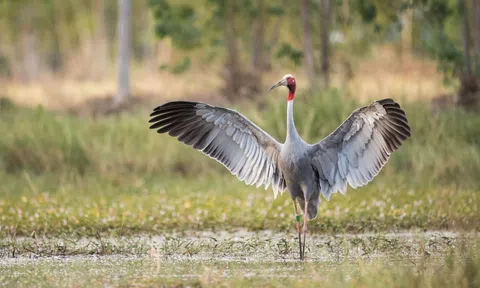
column 357, row 150
column 225, row 135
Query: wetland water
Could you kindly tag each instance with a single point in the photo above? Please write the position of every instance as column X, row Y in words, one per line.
column 207, row 257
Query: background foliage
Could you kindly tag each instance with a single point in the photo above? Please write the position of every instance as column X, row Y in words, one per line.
column 87, row 148
column 247, row 38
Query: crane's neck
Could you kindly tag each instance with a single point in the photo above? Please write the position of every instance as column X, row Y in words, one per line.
column 292, row 134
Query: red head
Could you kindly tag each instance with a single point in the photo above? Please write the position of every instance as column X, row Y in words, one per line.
column 289, row 81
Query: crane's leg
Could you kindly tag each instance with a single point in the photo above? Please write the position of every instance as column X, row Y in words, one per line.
column 305, row 222
column 297, row 221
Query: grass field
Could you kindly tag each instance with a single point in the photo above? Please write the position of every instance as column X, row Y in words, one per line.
column 245, row 259
column 67, row 177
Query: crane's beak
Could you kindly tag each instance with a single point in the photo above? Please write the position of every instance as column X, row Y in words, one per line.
column 282, row 82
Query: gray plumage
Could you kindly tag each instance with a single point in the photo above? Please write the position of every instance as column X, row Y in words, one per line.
column 352, row 154
column 225, row 135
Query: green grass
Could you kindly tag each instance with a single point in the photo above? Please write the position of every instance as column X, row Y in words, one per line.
column 433, row 260
column 94, row 201
column 64, row 175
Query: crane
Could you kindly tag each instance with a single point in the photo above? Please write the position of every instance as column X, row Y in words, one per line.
column 352, row 154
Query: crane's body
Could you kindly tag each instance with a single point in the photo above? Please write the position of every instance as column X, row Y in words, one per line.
column 296, row 166
column 352, row 154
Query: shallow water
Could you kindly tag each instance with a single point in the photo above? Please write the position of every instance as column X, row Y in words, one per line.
column 208, row 256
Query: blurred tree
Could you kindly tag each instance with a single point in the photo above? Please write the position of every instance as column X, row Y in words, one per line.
column 234, row 75
column 469, row 94
column 286, row 50
column 449, row 42
column 19, row 21
column 100, row 40
column 465, row 33
column 326, row 19
column 307, row 42
column 476, row 23
column 76, row 38
column 258, row 36
column 31, row 59
column 54, row 60
column 277, row 12
column 64, row 33
column 123, row 89
column 227, row 24
column 317, row 65
column 441, row 28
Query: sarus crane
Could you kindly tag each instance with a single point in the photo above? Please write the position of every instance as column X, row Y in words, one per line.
column 352, row 154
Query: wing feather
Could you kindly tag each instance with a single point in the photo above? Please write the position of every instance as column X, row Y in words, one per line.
column 359, row 148
column 225, row 135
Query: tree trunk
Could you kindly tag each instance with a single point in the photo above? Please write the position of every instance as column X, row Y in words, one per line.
column 465, row 32
column 325, row 36
column 469, row 93
column 407, row 31
column 258, row 33
column 416, row 26
column 123, row 51
column 476, row 30
column 307, row 43
column 272, row 42
column 100, row 41
column 31, row 59
column 267, row 59
column 55, row 59
column 234, row 74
